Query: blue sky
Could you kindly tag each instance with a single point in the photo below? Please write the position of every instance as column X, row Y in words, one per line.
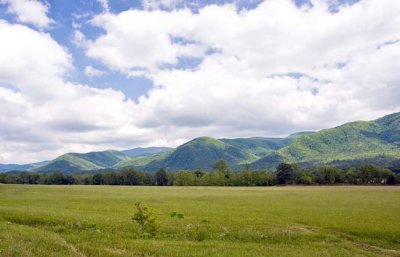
column 66, row 13
column 95, row 75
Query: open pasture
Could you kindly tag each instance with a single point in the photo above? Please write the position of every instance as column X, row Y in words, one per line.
column 217, row 221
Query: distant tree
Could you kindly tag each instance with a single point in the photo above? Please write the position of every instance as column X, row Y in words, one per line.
column 352, row 176
column 307, row 178
column 69, row 180
column 223, row 167
column 391, row 180
column 162, row 177
column 131, row 177
column 372, row 174
column 88, row 180
column 56, row 178
column 213, row 179
column 270, row 179
column 285, row 173
column 368, row 174
column 28, row 178
column 98, row 179
column 199, row 173
column 329, row 175
column 184, row 178
column 149, row 179
column 3, row 178
column 250, row 178
column 112, row 178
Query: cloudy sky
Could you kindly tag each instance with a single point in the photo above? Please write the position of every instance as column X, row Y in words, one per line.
column 92, row 75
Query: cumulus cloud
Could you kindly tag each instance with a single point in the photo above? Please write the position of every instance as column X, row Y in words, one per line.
column 161, row 4
column 104, row 4
column 29, row 11
column 139, row 40
column 31, row 60
column 271, row 70
column 41, row 110
column 93, row 72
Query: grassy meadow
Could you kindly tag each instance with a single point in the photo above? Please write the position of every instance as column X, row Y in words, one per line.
column 218, row 221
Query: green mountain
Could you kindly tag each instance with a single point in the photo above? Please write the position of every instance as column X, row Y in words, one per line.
column 199, row 153
column 351, row 142
column 141, row 161
column 257, row 147
column 71, row 162
column 300, row 134
column 21, row 167
column 145, row 151
column 203, row 152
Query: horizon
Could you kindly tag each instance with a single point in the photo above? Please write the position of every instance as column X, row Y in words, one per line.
column 99, row 74
column 198, row 137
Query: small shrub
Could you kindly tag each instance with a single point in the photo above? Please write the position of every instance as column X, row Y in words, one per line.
column 199, row 232
column 177, row 215
column 145, row 219
column 176, row 222
column 188, row 231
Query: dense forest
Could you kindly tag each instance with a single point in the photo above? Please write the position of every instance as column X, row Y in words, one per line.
column 222, row 175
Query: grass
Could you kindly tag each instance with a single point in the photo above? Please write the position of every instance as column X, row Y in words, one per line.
column 274, row 221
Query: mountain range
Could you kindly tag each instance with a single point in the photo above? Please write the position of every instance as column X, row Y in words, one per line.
column 350, row 144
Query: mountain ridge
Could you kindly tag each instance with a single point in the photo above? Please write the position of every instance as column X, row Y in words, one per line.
column 349, row 141
column 377, row 140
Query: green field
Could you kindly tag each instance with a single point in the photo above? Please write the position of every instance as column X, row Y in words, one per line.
column 272, row 221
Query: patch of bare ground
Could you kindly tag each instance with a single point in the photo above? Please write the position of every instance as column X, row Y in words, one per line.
column 115, row 251
column 377, row 249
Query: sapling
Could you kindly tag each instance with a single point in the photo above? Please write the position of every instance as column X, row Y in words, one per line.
column 145, row 219
column 176, row 217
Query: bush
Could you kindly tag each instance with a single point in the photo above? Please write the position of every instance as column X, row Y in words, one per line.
column 145, row 219
column 199, row 232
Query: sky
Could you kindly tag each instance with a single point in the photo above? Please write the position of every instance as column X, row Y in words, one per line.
column 89, row 75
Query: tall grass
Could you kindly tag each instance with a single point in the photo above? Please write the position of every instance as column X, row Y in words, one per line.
column 274, row 221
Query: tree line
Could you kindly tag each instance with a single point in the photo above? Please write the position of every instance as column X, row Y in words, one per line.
column 221, row 175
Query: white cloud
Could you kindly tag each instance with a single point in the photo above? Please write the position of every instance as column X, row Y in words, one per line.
column 93, row 72
column 246, row 83
column 138, row 40
column 161, row 4
column 267, row 71
column 36, row 67
column 104, row 4
column 42, row 115
column 78, row 38
column 29, row 11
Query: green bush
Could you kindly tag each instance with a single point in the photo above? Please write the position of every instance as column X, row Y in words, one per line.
column 145, row 219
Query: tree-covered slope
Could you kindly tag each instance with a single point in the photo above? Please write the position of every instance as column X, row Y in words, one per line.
column 71, row 162
column 352, row 141
column 390, row 125
column 145, row 151
column 203, row 152
column 21, row 167
column 199, row 153
column 104, row 159
column 356, row 142
column 257, row 147
column 142, row 160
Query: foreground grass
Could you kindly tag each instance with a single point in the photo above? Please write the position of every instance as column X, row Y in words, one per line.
column 274, row 221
